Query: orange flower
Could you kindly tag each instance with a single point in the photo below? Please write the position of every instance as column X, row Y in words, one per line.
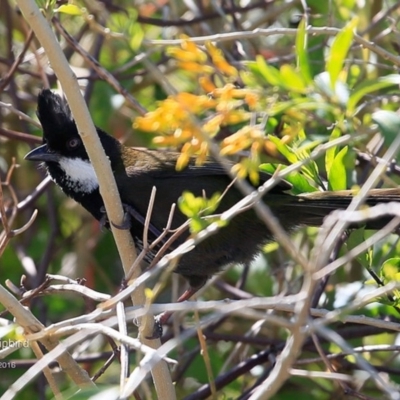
column 236, row 116
column 193, row 103
column 189, row 51
column 219, row 60
column 226, row 68
column 195, row 67
column 183, row 160
column 242, row 139
column 252, row 99
column 187, row 56
column 212, row 126
column 206, row 84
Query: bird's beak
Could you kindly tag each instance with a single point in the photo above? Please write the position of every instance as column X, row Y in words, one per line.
column 42, row 153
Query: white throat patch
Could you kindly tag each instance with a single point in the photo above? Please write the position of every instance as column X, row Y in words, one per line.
column 79, row 174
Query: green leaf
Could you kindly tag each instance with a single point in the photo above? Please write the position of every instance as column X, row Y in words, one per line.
column 339, row 50
column 302, row 53
column 213, row 203
column 69, row 9
column 334, row 164
column 331, row 153
column 390, row 270
column 292, row 78
column 389, row 124
column 337, row 177
column 136, row 36
column 270, row 74
column 287, row 77
column 196, row 208
column 299, row 181
column 188, row 204
column 196, row 225
column 371, row 86
column 310, row 170
column 285, row 150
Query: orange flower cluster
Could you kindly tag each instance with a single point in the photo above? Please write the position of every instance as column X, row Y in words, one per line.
column 187, row 120
column 192, row 58
column 248, row 137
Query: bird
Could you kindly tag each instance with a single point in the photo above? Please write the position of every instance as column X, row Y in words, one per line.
column 138, row 170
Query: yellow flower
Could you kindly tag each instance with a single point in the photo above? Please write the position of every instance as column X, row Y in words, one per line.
column 251, row 99
column 212, row 126
column 219, row 60
column 239, row 170
column 226, row 68
column 203, row 153
column 190, row 46
column 206, row 84
column 193, row 103
column 186, row 56
column 182, row 162
column 243, row 139
column 195, row 67
column 189, row 51
column 236, row 116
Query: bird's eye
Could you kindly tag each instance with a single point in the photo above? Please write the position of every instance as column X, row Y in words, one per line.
column 73, row 143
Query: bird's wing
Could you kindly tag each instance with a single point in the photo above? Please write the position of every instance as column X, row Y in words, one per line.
column 212, row 168
column 163, row 166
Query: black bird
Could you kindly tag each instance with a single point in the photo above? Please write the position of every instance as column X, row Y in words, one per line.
column 137, row 171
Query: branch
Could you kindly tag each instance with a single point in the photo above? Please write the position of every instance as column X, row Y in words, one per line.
column 101, row 165
column 32, row 325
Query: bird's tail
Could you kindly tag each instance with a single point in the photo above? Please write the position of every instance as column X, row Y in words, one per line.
column 314, row 207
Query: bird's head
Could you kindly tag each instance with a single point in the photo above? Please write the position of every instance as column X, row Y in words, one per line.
column 63, row 152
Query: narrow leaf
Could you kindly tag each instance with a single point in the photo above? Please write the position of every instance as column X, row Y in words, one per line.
column 331, row 153
column 285, row 150
column 299, row 182
column 339, row 50
column 292, row 78
column 301, row 51
column 69, row 9
column 371, row 86
column 270, row 74
column 337, row 178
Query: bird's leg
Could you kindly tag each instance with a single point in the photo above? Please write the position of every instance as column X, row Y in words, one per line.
column 131, row 213
column 196, row 283
column 104, row 222
column 126, row 223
